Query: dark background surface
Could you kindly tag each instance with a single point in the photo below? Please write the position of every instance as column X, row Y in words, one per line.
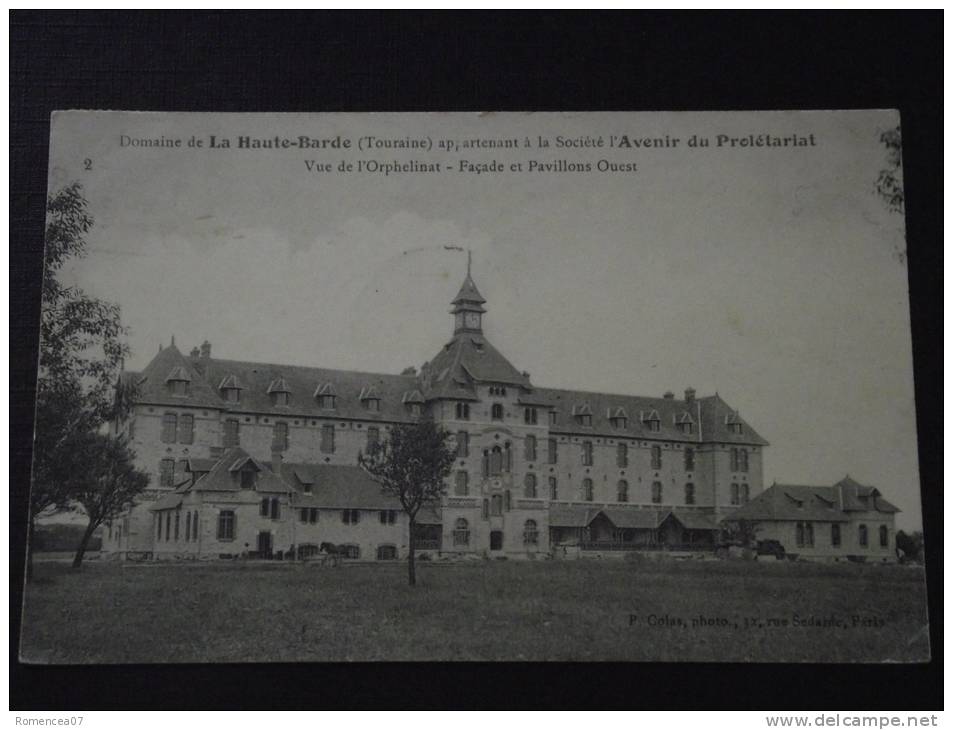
column 215, row 61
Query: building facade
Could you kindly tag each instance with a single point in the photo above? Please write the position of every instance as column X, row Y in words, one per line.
column 261, row 458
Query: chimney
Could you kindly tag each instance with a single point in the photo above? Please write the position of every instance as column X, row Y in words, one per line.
column 206, row 350
column 668, row 395
column 276, row 460
column 689, row 395
column 194, row 354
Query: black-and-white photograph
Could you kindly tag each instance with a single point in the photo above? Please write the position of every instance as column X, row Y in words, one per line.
column 475, row 387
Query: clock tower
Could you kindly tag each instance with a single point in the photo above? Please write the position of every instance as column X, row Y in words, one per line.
column 468, row 307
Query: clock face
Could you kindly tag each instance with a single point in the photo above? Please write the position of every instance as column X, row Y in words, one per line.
column 473, row 320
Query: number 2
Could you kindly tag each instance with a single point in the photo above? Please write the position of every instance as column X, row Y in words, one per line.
column 87, row 164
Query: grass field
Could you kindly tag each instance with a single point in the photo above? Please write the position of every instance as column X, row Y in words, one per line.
column 500, row 610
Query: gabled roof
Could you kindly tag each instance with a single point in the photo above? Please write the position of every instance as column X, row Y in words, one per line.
column 179, row 373
column 715, row 417
column 627, row 518
column 787, row 502
column 230, row 382
column 335, row 486
column 279, row 385
column 571, row 515
column 223, row 476
column 152, row 386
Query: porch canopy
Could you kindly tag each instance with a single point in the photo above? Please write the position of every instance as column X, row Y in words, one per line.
column 620, row 527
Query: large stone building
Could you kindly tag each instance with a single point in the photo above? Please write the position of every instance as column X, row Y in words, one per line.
column 262, row 458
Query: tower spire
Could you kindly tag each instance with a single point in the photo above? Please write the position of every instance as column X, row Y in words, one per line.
column 469, row 257
column 468, row 305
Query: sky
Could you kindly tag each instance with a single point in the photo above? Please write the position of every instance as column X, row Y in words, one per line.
column 774, row 276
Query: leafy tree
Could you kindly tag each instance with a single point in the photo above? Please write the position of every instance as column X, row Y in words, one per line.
column 741, row 532
column 890, row 181
column 911, row 545
column 412, row 464
column 107, row 485
column 81, row 354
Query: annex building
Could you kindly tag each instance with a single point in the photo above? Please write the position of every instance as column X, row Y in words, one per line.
column 261, row 459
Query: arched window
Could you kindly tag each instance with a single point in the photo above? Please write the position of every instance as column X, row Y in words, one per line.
column 622, row 494
column 862, row 535
column 530, row 448
column 657, row 492
column 884, row 536
column 587, row 489
column 496, row 412
column 529, row 484
column 461, row 532
column 530, row 533
column 496, row 461
column 553, row 488
column 507, row 457
column 496, row 505
column 689, row 493
column 275, row 508
column 265, row 507
column 461, row 486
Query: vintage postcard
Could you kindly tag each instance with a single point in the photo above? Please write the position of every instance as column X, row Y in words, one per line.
column 454, row 387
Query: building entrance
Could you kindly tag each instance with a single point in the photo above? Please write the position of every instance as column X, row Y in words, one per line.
column 496, row 540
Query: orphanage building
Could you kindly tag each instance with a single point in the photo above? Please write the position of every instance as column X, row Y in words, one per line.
column 259, row 459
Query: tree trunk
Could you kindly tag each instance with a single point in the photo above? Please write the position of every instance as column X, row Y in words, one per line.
column 81, row 550
column 411, row 567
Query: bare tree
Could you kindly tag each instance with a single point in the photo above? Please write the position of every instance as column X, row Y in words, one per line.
column 412, row 464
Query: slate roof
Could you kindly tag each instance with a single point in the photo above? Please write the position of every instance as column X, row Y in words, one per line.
column 691, row 519
column 222, row 476
column 798, row 502
column 166, row 501
column 627, row 518
column 468, row 292
column 464, row 360
column 571, row 515
column 335, row 486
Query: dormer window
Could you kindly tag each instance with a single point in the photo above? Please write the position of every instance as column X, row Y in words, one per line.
column 281, row 399
column 413, row 400
column 179, row 382
column 370, row 399
column 652, row 421
column 231, row 389
column 179, row 387
column 582, row 414
column 618, row 418
column 325, row 396
column 584, row 419
column 686, row 427
column 414, row 409
column 619, row 421
column 280, row 392
column 734, row 425
column 372, row 404
column 232, row 395
column 463, row 411
column 247, row 478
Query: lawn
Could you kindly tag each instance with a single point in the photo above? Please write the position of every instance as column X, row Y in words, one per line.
column 487, row 610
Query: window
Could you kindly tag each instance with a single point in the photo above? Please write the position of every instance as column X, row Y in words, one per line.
column 735, row 494
column 496, row 505
column 166, row 467
column 622, row 455
column 689, row 493
column 619, row 422
column 168, row 428
column 530, row 533
column 735, row 428
column 373, row 440
column 186, row 428
column 587, row 489
column 507, row 500
column 734, row 460
column 745, row 493
column 553, row 488
column 656, row 457
column 350, row 516
column 486, row 509
column 232, row 395
column 654, row 424
column 248, row 478
column 497, row 390
column 181, row 469
column 463, row 411
column 386, row 552
column 327, row 439
column 168, row 525
column 529, row 486
column 657, row 492
column 686, row 427
column 303, row 514
column 388, row 516
column 264, row 507
column 326, row 402
column 414, row 409
column 461, row 484
column 279, row 439
column 353, row 552
column 862, row 535
column 584, row 419
column 884, row 537
column 372, row 404
column 835, row 535
column 587, row 453
column 689, row 459
column 178, row 519
column 179, row 387
column 463, row 444
column 529, row 416
column 553, row 418
column 496, row 412
column 159, row 525
column 530, row 448
column 230, row 436
column 622, row 491
column 281, row 398
column 461, row 532
column 226, row 525
column 275, row 508
column 805, row 534
column 743, row 459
